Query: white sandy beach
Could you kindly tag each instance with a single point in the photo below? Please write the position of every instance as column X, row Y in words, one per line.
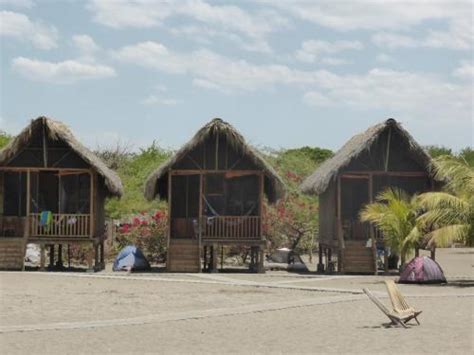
column 277, row 312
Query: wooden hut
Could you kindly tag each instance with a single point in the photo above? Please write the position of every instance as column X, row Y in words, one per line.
column 383, row 156
column 215, row 187
column 52, row 193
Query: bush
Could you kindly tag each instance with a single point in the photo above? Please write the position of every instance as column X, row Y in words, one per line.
column 147, row 232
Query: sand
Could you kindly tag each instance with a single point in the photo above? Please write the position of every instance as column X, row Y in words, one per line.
column 49, row 313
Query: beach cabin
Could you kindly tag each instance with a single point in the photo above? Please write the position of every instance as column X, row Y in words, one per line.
column 385, row 155
column 215, row 187
column 52, row 193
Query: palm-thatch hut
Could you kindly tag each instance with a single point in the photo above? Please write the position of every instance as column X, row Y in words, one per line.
column 215, row 186
column 52, row 193
column 385, row 155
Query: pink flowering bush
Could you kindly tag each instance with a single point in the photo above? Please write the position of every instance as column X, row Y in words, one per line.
column 148, row 232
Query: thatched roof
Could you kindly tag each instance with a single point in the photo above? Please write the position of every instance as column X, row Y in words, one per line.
column 319, row 181
column 59, row 131
column 274, row 186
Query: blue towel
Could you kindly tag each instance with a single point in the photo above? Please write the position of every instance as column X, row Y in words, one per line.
column 45, row 219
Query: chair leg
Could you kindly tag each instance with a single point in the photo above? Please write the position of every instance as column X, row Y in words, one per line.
column 417, row 321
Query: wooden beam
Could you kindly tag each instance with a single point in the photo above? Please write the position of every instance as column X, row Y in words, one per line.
column 38, row 169
column 45, row 147
column 91, row 205
column 389, row 173
column 28, row 203
column 387, row 154
column 218, row 171
column 260, row 205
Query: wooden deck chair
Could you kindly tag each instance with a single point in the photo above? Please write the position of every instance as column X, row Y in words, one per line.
column 398, row 301
column 395, row 317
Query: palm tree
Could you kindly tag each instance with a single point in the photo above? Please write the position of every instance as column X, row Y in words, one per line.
column 449, row 215
column 394, row 214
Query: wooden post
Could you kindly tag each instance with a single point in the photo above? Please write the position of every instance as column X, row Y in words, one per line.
column 222, row 257
column 96, row 257
column 339, row 231
column 28, row 204
column 385, row 260
column 68, row 256
column 214, row 258
column 59, row 263
column 90, row 267
column 51, row 255
column 42, row 256
column 320, row 259
column 417, row 252
column 260, row 206
column 102, row 255
column 260, row 267
column 45, row 147
column 168, row 242
column 433, row 253
column 200, row 220
column 371, row 228
column 91, row 206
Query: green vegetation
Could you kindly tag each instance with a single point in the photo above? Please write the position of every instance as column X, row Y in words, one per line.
column 4, row 138
column 394, row 214
column 133, row 169
column 449, row 215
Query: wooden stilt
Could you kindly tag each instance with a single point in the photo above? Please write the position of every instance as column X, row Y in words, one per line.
column 385, row 261
column 69, row 256
column 51, row 256
column 222, row 258
column 260, row 267
column 433, row 253
column 90, row 267
column 96, row 257
column 59, row 262
column 42, row 256
column 417, row 252
column 320, row 259
column 214, row 258
column 102, row 255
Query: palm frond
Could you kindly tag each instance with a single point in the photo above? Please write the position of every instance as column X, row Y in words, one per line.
column 445, row 236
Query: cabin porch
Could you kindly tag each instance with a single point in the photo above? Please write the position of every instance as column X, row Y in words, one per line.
column 53, row 208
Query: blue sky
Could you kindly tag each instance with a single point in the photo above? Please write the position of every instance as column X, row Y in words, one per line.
column 285, row 73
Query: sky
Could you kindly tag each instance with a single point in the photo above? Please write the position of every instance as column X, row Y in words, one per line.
column 285, row 73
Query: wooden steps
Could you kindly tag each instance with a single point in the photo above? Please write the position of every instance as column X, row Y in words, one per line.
column 12, row 253
column 183, row 256
column 358, row 258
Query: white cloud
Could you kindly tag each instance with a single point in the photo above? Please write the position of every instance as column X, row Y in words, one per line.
column 232, row 75
column 458, row 37
column 65, row 72
column 157, row 100
column 221, row 21
column 411, row 95
column 465, row 71
column 85, row 44
column 391, row 16
column 394, row 40
column 312, row 50
column 407, row 94
column 19, row 26
column 383, row 58
column 373, row 15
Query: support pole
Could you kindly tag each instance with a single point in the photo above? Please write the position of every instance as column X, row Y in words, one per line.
column 214, row 258
column 42, row 256
column 433, row 253
column 51, row 256
column 320, row 259
column 260, row 267
column 222, row 257
column 59, row 263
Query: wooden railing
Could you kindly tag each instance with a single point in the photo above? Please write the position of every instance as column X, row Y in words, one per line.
column 232, row 227
column 61, row 225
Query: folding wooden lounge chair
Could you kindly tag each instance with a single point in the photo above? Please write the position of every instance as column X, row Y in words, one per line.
column 398, row 301
column 397, row 318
